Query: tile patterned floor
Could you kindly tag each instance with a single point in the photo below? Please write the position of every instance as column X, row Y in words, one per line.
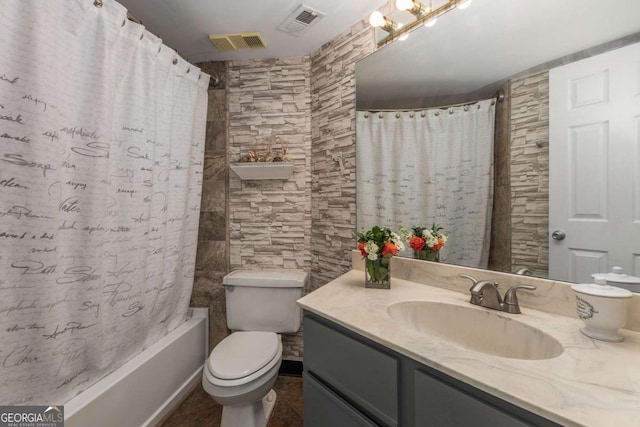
column 200, row 410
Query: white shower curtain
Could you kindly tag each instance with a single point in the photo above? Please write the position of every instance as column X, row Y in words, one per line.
column 416, row 168
column 101, row 150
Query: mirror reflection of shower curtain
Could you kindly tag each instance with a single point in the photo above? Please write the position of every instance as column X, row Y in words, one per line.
column 416, row 168
column 102, row 143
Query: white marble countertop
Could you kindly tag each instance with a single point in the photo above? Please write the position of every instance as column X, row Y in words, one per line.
column 592, row 383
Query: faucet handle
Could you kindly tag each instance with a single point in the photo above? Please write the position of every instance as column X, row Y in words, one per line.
column 511, row 304
column 475, row 296
column 523, row 271
column 467, row 276
column 475, row 281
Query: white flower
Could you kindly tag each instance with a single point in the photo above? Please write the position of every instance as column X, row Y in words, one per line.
column 395, row 239
column 372, row 256
column 430, row 237
column 405, row 233
column 372, row 249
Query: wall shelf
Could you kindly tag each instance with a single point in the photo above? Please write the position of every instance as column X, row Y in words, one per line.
column 275, row 170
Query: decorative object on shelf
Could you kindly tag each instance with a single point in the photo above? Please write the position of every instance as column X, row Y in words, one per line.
column 423, row 15
column 425, row 242
column 271, row 154
column 377, row 247
column 272, row 162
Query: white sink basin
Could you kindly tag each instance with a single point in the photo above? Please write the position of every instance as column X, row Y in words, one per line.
column 478, row 329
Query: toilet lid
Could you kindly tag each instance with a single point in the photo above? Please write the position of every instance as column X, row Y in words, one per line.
column 242, row 353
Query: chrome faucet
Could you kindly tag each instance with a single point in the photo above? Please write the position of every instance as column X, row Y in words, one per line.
column 485, row 294
column 523, row 271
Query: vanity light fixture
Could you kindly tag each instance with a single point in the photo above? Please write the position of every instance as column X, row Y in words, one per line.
column 414, row 7
column 425, row 15
column 378, row 20
column 431, row 22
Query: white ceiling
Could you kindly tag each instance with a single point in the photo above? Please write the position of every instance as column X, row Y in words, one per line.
column 185, row 25
column 490, row 40
column 466, row 50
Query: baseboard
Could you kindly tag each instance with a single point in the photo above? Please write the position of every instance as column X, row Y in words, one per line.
column 291, row 368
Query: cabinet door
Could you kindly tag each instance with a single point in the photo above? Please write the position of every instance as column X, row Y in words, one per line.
column 364, row 375
column 438, row 404
column 323, row 408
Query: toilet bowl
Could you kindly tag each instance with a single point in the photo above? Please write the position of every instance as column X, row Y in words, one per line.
column 239, row 375
column 242, row 369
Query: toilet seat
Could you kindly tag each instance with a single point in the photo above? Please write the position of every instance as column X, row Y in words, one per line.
column 242, row 357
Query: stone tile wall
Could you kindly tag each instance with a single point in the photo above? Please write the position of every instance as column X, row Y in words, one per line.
column 500, row 249
column 333, row 151
column 270, row 220
column 530, row 173
column 212, row 260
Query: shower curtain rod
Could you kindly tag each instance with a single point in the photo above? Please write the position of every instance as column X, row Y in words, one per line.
column 499, row 97
column 130, row 17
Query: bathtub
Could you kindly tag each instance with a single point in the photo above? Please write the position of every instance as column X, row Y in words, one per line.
column 148, row 387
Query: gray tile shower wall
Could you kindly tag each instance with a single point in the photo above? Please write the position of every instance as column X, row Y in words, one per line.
column 500, row 249
column 212, row 260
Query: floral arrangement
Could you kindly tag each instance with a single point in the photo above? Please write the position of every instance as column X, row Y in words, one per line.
column 379, row 242
column 377, row 246
column 426, row 242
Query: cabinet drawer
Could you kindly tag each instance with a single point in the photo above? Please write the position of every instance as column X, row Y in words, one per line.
column 364, row 375
column 324, row 408
column 438, row 404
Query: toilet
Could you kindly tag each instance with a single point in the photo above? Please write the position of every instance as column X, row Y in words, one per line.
column 242, row 369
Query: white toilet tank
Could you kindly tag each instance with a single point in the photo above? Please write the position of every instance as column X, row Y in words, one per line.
column 264, row 300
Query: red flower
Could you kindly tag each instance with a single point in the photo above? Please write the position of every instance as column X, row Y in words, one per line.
column 361, row 246
column 417, row 243
column 389, row 248
column 438, row 245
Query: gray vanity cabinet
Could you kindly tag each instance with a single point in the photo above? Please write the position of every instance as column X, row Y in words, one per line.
column 362, row 375
column 350, row 380
column 440, row 404
column 323, row 407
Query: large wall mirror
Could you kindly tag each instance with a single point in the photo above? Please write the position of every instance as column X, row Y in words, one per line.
column 556, row 85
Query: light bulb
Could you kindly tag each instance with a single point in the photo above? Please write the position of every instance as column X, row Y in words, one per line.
column 404, row 4
column 431, row 22
column 464, row 4
column 376, row 19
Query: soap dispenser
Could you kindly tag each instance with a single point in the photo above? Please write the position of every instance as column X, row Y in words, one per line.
column 603, row 309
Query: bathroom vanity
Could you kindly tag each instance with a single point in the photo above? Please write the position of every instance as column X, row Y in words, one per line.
column 366, row 365
column 357, row 382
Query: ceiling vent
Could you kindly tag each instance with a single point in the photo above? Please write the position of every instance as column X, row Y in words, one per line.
column 300, row 20
column 238, row 41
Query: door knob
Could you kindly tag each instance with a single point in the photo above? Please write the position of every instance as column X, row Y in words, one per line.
column 558, row 235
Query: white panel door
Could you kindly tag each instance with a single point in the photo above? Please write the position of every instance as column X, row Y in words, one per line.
column 594, row 187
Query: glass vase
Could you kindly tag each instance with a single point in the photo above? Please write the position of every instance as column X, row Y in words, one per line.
column 427, row 255
column 377, row 273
